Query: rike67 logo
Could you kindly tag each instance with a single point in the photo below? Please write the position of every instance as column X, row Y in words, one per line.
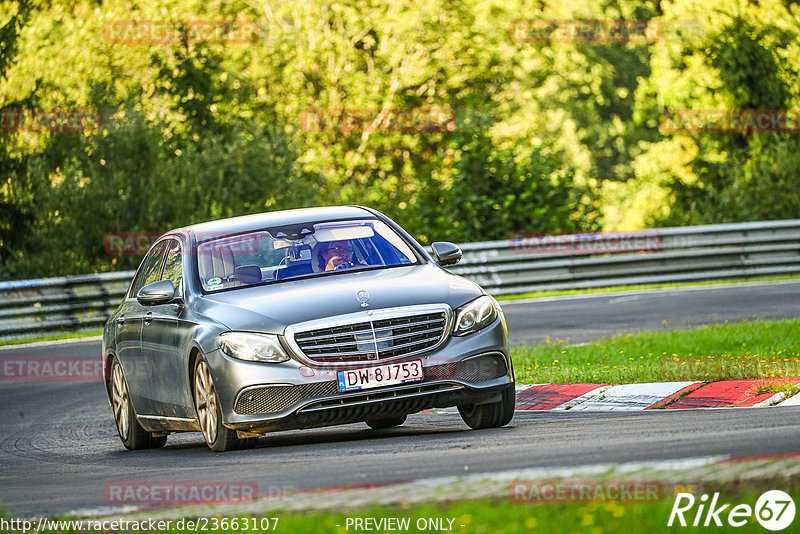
column 774, row 510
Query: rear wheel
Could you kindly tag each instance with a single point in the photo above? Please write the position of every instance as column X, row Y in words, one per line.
column 218, row 437
column 131, row 433
column 386, row 422
column 492, row 415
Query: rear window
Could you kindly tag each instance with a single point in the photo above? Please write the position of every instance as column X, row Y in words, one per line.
column 299, row 251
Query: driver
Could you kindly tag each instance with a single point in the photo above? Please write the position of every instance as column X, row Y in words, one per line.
column 337, row 255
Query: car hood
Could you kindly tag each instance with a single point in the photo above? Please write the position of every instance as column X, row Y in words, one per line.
column 271, row 308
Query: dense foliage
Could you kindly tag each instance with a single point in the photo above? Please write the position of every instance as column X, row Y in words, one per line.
column 308, row 104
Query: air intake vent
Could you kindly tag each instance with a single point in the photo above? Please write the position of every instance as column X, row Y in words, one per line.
column 273, row 399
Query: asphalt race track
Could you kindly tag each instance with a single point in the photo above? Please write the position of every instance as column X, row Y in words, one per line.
column 592, row 316
column 59, row 448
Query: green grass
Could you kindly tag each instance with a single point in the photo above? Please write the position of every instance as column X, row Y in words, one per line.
column 750, row 349
column 493, row 517
column 776, row 387
column 51, row 337
column 564, row 292
column 504, row 516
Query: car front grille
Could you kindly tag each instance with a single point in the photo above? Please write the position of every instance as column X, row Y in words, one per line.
column 373, row 340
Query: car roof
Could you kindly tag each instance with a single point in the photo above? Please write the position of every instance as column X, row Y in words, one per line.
column 257, row 221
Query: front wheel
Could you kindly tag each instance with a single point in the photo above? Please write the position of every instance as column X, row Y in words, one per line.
column 131, row 433
column 492, row 415
column 218, row 437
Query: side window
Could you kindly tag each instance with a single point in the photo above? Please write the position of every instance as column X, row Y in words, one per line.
column 173, row 268
column 150, row 270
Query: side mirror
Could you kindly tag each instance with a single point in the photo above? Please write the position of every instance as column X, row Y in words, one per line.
column 446, row 253
column 161, row 292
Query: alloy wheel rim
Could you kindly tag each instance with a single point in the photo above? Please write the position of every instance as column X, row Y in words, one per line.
column 206, row 402
column 119, row 400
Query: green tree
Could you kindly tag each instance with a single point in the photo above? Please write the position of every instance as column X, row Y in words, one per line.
column 494, row 193
column 747, row 59
column 15, row 213
column 184, row 139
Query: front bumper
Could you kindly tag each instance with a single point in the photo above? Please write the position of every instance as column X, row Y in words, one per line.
column 260, row 398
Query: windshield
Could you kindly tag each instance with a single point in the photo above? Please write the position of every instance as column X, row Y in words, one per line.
column 284, row 253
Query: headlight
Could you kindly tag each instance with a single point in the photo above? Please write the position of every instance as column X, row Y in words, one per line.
column 475, row 315
column 252, row 347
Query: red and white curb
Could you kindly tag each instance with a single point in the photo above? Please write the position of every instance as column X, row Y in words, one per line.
column 669, row 395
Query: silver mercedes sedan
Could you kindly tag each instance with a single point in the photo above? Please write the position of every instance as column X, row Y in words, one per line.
column 300, row 319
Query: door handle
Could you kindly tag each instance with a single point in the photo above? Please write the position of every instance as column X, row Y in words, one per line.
column 148, row 317
column 120, row 321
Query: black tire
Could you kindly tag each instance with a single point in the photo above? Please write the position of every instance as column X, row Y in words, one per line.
column 131, row 433
column 218, row 437
column 386, row 422
column 493, row 415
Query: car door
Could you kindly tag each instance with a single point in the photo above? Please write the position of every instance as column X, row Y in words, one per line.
column 129, row 332
column 164, row 349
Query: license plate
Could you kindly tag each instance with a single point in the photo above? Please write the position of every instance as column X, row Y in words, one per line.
column 382, row 375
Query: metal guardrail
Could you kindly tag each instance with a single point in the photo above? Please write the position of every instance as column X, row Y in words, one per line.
column 68, row 303
column 694, row 253
column 691, row 253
